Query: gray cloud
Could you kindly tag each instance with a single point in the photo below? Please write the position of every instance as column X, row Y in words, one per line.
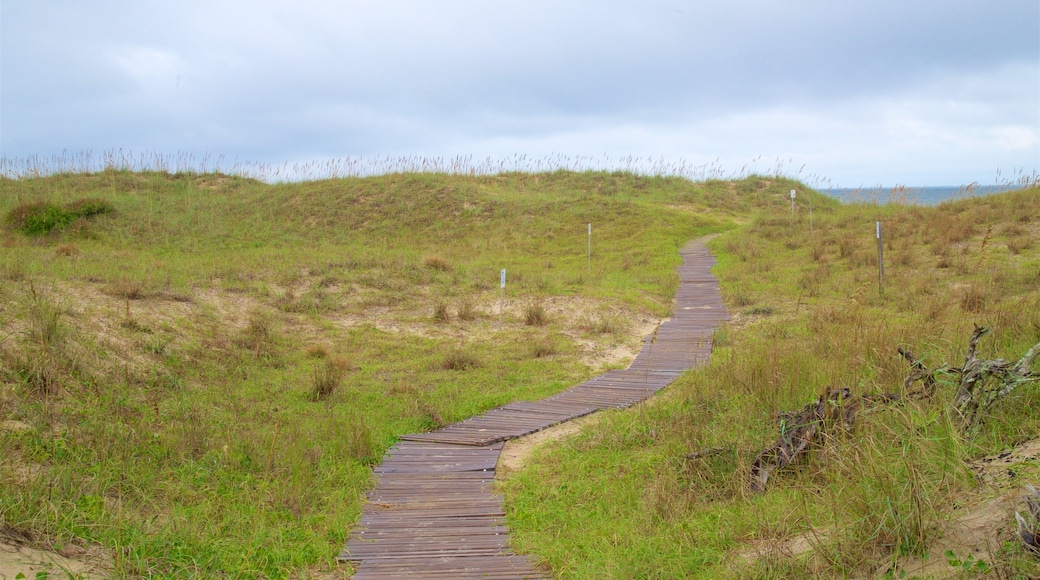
column 938, row 91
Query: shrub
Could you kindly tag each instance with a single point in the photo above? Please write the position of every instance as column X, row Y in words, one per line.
column 89, row 207
column 37, row 219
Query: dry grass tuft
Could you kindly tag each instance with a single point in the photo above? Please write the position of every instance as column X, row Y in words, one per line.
column 459, row 360
column 535, row 314
column 606, row 324
column 465, row 310
column 258, row 335
column 316, row 351
column 441, row 312
column 327, row 378
column 847, row 245
column 1019, row 244
column 544, row 347
column 127, row 289
column 66, row 250
column 436, row 263
column 972, row 299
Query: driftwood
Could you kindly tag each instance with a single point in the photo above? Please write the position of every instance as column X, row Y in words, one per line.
column 800, row 430
column 984, row 382
column 838, row 407
column 1029, row 526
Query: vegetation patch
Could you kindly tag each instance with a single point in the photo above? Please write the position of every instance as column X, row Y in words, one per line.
column 669, row 489
column 41, row 218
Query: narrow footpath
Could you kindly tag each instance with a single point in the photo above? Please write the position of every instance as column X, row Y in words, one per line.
column 433, row 512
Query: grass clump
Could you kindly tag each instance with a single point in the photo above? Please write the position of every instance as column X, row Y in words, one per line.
column 459, row 359
column 603, row 324
column 465, row 310
column 327, row 378
column 441, row 313
column 38, row 219
column 436, row 263
column 535, row 314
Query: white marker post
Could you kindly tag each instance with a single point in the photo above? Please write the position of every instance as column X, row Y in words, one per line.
column 880, row 260
column 590, row 249
column 792, row 202
column 501, row 298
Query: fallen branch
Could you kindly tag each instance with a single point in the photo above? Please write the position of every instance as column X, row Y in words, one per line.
column 982, row 383
column 1029, row 526
column 798, row 431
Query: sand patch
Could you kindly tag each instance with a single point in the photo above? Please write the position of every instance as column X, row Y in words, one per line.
column 73, row 561
column 516, row 452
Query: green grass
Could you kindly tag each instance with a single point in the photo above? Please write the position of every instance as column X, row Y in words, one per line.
column 210, row 370
column 624, row 500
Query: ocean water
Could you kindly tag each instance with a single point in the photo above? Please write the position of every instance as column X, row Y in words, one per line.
column 913, row 195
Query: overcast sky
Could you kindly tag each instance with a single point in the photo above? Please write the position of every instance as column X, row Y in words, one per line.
column 878, row 92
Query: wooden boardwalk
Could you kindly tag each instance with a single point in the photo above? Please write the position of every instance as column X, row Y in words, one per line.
column 433, row 512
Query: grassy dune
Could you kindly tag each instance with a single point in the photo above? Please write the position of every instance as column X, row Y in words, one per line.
column 197, row 372
column 630, row 498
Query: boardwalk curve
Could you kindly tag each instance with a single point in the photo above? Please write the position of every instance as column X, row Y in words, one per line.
column 433, row 512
